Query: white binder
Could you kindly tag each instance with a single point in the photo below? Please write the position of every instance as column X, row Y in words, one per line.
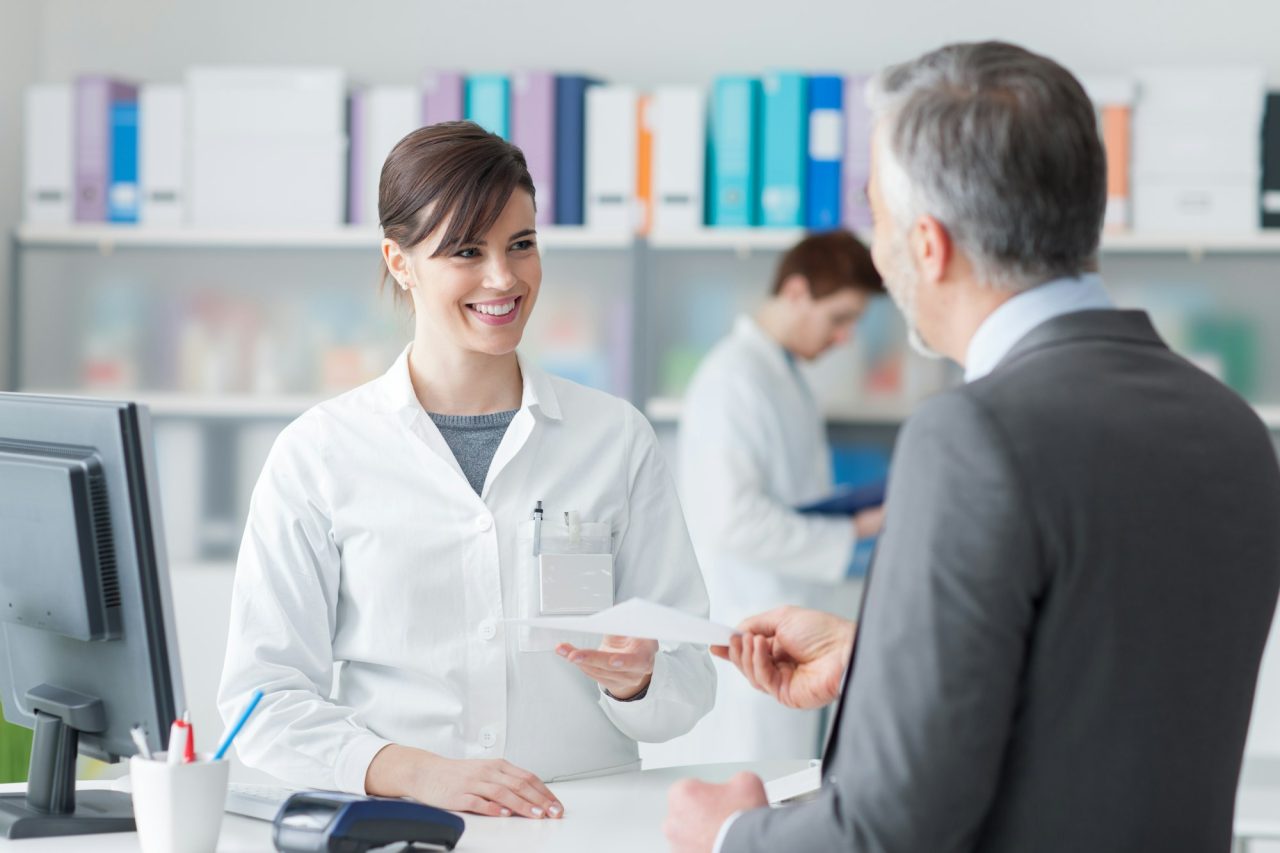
column 267, row 101
column 1197, row 149
column 268, row 147
column 390, row 113
column 679, row 151
column 161, row 149
column 48, row 170
column 612, row 128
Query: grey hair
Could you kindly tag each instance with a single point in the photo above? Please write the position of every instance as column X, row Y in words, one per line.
column 1001, row 146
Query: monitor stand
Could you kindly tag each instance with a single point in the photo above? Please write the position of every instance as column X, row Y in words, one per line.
column 51, row 805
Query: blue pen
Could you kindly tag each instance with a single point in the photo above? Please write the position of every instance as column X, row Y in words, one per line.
column 235, row 730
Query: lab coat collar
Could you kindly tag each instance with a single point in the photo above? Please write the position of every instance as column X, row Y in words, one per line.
column 786, row 364
column 396, row 388
column 539, row 393
column 749, row 330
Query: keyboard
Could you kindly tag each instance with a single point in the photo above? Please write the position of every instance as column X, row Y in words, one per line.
column 257, row 801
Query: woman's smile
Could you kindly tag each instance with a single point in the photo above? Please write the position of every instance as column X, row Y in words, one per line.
column 498, row 312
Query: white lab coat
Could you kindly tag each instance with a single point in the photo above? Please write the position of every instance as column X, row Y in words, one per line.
column 372, row 583
column 753, row 446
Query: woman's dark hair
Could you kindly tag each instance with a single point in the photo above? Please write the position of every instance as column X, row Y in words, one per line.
column 454, row 170
column 830, row 261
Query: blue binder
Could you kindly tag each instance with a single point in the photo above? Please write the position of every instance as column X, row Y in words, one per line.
column 826, row 152
column 122, row 177
column 733, row 153
column 847, row 501
column 786, row 149
column 571, row 99
column 489, row 103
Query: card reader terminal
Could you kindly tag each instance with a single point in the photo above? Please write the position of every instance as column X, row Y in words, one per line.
column 324, row 822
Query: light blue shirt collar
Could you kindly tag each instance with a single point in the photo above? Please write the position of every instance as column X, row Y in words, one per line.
column 1011, row 322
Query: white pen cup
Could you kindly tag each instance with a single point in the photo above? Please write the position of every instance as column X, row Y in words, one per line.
column 178, row 807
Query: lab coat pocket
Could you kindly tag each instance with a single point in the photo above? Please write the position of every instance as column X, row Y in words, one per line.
column 571, row 575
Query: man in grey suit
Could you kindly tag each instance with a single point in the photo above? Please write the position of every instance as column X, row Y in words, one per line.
column 1062, row 629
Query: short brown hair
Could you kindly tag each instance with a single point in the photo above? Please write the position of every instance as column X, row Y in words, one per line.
column 454, row 168
column 829, row 261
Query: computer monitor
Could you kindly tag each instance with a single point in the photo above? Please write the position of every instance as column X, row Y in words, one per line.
column 87, row 642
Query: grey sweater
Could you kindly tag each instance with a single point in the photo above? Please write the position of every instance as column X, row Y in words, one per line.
column 474, row 439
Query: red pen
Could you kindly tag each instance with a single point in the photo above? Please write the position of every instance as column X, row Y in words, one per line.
column 178, row 739
column 189, row 751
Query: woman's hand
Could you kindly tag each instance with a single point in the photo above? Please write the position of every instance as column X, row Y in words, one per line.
column 487, row 787
column 622, row 665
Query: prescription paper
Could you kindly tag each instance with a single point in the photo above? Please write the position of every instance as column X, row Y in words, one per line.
column 640, row 618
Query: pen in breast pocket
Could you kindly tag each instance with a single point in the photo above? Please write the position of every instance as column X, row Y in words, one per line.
column 573, row 524
column 537, row 528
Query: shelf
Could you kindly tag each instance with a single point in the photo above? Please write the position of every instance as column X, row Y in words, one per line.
column 555, row 237
column 747, row 240
column 204, row 406
column 667, row 410
column 106, row 238
column 230, row 406
column 662, row 410
column 742, row 241
column 1270, row 416
column 275, row 407
column 1259, row 242
column 196, row 566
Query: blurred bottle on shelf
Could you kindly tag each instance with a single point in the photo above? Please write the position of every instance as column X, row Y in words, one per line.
column 114, row 317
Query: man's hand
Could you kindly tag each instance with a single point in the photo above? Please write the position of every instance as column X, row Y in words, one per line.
column 696, row 810
column 622, row 665
column 869, row 522
column 797, row 656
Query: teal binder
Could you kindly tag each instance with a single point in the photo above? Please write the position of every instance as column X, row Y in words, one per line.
column 733, row 153
column 489, row 103
column 786, row 149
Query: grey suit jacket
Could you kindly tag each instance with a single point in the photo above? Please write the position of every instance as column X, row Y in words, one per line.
column 1061, row 636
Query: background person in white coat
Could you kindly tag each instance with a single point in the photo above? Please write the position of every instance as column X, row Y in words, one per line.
column 385, row 542
column 753, row 446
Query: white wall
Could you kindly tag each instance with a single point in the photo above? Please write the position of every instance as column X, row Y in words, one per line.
column 644, row 42
column 19, row 42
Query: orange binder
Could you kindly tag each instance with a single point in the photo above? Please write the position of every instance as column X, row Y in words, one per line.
column 1118, row 142
column 644, row 164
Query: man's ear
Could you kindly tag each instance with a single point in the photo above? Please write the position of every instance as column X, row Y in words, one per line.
column 795, row 288
column 933, row 248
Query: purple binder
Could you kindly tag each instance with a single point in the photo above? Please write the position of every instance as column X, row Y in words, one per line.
column 857, row 156
column 441, row 97
column 94, row 97
column 533, row 130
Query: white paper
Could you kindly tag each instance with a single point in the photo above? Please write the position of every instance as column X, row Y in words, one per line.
column 642, row 619
column 795, row 786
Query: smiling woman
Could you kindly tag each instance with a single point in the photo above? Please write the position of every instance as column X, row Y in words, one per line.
column 388, row 533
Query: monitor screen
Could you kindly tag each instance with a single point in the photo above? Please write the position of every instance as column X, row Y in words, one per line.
column 85, row 612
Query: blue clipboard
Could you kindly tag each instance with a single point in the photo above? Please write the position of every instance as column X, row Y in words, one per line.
column 847, row 501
